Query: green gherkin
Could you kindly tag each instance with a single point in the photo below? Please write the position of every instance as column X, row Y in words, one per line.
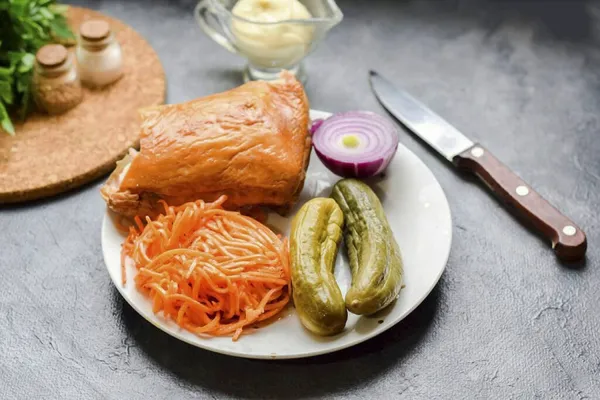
column 316, row 234
column 373, row 253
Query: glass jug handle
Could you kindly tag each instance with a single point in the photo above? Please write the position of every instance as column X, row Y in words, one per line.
column 210, row 24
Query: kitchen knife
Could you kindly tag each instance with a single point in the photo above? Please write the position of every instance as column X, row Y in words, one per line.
column 568, row 240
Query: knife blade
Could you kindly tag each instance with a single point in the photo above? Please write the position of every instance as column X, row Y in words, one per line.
column 568, row 240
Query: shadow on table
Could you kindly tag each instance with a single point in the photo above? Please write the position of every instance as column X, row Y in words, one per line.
column 317, row 376
column 560, row 20
column 565, row 20
column 55, row 198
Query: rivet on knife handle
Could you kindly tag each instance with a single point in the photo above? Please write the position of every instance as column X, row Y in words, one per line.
column 568, row 240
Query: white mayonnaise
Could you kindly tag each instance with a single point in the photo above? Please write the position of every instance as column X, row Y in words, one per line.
column 271, row 45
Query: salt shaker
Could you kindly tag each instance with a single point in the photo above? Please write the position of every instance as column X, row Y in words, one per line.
column 56, row 84
column 98, row 54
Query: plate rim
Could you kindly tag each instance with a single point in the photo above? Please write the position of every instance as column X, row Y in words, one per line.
column 320, row 114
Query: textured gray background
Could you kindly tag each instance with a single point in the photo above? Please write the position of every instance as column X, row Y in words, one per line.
column 506, row 320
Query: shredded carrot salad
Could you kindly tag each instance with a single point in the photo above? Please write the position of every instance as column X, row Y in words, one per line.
column 212, row 271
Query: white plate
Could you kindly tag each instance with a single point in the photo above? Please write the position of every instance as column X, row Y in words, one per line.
column 418, row 212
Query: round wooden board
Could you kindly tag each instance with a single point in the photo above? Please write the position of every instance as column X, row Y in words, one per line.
column 52, row 154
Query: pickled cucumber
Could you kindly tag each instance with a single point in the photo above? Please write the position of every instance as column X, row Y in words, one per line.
column 316, row 234
column 373, row 253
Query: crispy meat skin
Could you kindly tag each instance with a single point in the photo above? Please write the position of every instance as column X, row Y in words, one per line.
column 250, row 143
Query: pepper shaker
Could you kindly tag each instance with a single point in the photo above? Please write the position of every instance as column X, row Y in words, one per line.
column 56, row 84
column 98, row 54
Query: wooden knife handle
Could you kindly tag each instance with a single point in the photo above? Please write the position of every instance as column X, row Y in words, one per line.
column 568, row 240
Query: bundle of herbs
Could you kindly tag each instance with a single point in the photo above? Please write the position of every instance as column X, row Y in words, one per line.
column 26, row 26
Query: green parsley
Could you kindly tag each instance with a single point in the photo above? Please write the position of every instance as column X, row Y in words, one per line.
column 31, row 24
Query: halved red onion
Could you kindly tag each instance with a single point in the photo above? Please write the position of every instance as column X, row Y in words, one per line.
column 357, row 144
column 315, row 125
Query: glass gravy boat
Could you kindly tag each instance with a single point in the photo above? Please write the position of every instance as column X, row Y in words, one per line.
column 269, row 47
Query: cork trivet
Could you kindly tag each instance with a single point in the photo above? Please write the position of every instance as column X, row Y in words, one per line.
column 52, row 154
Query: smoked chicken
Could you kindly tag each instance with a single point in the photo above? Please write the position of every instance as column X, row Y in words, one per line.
column 250, row 143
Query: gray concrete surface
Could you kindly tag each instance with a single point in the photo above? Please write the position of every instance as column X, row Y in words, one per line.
column 506, row 321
